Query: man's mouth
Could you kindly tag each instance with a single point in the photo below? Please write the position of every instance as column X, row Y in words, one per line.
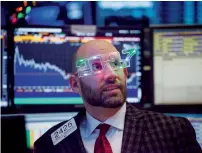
column 111, row 87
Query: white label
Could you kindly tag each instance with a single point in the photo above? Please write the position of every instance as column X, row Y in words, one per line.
column 63, row 131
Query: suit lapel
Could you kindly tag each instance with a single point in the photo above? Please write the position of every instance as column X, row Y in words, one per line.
column 133, row 129
column 74, row 143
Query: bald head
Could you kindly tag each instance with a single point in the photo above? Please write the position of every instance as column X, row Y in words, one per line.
column 91, row 48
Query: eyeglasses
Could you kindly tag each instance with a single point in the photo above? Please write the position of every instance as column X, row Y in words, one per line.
column 97, row 63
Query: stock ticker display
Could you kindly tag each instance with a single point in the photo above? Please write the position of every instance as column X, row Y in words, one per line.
column 4, row 93
column 42, row 63
column 178, row 65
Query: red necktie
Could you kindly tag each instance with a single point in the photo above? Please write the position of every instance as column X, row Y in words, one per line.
column 102, row 145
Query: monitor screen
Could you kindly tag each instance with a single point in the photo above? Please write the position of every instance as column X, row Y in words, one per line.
column 42, row 65
column 37, row 124
column 196, row 121
column 3, row 71
column 106, row 9
column 177, row 65
column 158, row 12
column 42, row 62
column 61, row 13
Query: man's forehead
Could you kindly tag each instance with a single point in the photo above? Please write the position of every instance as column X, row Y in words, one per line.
column 92, row 51
column 104, row 56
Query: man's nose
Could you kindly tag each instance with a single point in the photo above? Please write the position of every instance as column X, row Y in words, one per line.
column 109, row 73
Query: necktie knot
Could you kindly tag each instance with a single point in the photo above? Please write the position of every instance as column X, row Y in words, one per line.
column 103, row 129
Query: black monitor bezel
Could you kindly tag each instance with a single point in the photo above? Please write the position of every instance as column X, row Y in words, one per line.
column 7, row 109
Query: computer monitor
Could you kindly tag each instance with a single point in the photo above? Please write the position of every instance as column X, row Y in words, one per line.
column 41, row 67
column 42, row 61
column 37, row 124
column 3, row 71
column 177, row 65
column 158, row 12
column 105, row 10
column 196, row 121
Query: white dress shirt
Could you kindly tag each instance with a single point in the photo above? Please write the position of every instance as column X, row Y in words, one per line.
column 89, row 133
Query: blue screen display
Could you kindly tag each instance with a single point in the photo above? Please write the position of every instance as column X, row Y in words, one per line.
column 42, row 64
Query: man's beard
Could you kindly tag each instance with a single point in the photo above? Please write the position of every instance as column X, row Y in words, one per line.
column 100, row 99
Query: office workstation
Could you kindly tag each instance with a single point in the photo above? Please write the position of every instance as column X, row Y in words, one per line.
column 39, row 39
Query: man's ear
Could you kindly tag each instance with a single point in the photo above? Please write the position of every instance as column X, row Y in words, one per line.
column 125, row 71
column 73, row 81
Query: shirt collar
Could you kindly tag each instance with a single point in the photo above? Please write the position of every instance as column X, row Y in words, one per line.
column 116, row 121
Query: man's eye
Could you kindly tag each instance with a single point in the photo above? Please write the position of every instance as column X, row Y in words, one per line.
column 116, row 63
column 97, row 66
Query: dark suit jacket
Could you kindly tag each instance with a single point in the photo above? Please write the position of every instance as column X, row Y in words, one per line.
column 144, row 132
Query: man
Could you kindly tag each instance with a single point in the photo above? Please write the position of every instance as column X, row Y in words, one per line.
column 109, row 123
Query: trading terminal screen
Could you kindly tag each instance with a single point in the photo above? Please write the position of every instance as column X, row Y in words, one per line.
column 42, row 63
column 177, row 66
